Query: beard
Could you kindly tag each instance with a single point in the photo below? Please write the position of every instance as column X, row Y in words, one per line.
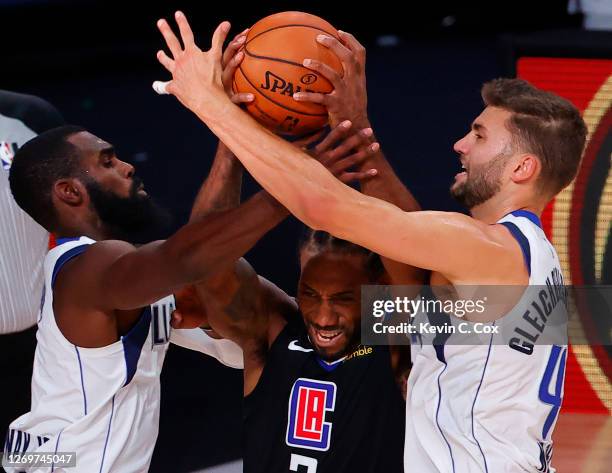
column 137, row 219
column 482, row 182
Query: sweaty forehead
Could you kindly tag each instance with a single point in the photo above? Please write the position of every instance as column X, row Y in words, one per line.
column 88, row 143
column 334, row 271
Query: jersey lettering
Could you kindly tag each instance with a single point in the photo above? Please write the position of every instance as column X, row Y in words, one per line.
column 161, row 313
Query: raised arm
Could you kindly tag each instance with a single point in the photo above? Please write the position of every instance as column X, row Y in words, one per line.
column 231, row 301
column 235, row 299
column 348, row 101
column 440, row 241
column 222, row 187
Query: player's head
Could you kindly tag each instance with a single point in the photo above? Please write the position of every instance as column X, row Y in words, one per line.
column 71, row 181
column 332, row 272
column 526, row 141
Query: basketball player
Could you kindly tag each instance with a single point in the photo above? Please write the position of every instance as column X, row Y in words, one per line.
column 95, row 387
column 103, row 329
column 314, row 339
column 23, row 248
column 303, row 359
column 470, row 408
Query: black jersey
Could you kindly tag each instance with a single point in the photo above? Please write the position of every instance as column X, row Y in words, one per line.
column 309, row 416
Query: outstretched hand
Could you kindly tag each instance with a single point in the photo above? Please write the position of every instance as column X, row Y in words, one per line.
column 196, row 74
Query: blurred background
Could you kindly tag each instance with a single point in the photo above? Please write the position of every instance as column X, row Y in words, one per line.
column 95, row 61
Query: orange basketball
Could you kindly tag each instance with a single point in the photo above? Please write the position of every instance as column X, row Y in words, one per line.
column 272, row 71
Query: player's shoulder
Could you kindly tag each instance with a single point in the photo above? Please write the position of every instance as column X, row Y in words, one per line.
column 492, row 242
column 494, row 236
column 95, row 258
column 80, row 278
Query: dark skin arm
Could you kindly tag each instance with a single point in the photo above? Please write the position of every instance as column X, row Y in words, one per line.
column 348, row 101
column 99, row 295
column 237, row 303
column 231, row 300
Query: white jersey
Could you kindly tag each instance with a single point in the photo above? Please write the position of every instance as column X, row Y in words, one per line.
column 102, row 403
column 23, row 242
column 492, row 407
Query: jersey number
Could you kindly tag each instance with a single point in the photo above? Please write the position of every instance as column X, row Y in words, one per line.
column 301, row 460
column 554, row 399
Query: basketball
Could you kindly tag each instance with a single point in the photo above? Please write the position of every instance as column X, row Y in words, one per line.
column 272, row 71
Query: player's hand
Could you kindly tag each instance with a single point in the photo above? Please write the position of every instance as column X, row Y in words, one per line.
column 344, row 149
column 349, row 99
column 196, row 74
column 232, row 57
column 189, row 312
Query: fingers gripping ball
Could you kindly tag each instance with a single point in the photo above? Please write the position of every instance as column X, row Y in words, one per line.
column 273, row 71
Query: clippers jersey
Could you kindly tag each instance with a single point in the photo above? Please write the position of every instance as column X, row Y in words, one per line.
column 491, row 407
column 306, row 415
column 102, row 403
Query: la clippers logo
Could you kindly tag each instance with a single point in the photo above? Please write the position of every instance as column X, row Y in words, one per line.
column 310, row 400
column 7, row 151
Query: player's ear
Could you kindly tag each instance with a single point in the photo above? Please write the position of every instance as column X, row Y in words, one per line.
column 70, row 191
column 525, row 168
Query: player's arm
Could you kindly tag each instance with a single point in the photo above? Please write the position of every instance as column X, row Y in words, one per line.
column 230, row 300
column 239, row 304
column 233, row 298
column 440, row 241
column 116, row 275
column 348, row 101
column 237, row 301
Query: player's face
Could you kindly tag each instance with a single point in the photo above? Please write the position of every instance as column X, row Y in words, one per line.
column 116, row 194
column 329, row 299
column 484, row 154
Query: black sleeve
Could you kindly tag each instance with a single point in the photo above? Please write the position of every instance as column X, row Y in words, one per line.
column 36, row 113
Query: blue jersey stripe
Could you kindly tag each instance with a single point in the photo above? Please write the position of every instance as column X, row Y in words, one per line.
column 110, row 422
column 55, row 452
column 62, row 260
column 329, row 367
column 474, row 403
column 528, row 215
column 61, row 241
column 522, row 241
column 82, row 380
column 438, row 411
column 133, row 342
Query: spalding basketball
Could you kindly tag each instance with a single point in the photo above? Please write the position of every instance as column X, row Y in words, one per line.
column 273, row 70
